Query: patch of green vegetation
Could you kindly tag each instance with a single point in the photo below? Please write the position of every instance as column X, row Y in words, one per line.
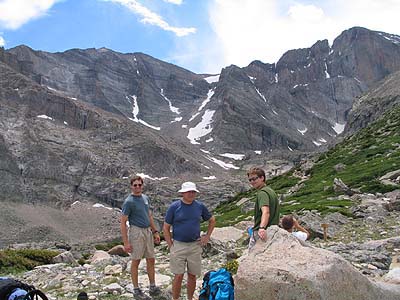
column 231, row 266
column 281, row 184
column 107, row 246
column 366, row 156
column 359, row 161
column 15, row 261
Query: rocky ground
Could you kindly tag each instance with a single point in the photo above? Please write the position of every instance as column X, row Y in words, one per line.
column 371, row 243
column 81, row 223
column 107, row 276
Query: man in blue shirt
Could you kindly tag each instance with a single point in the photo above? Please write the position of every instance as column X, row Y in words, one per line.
column 142, row 235
column 185, row 243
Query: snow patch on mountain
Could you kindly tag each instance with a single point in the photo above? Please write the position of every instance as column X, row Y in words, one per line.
column 203, row 128
column 171, row 107
column 233, row 156
column 339, row 128
column 213, row 78
column 135, row 112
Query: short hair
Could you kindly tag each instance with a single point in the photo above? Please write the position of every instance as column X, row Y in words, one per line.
column 135, row 178
column 256, row 171
column 287, row 222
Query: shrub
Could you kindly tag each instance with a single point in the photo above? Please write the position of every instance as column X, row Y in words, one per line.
column 232, row 266
column 109, row 245
column 12, row 261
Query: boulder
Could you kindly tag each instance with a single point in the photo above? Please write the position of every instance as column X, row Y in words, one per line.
column 285, row 268
column 393, row 276
column 341, row 188
column 113, row 269
column 118, row 250
column 313, row 222
column 100, row 256
column 65, row 257
column 227, row 234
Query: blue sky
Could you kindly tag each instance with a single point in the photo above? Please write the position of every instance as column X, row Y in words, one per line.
column 200, row 35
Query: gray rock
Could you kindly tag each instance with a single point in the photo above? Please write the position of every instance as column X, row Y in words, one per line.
column 65, row 257
column 118, row 250
column 340, row 187
column 305, row 273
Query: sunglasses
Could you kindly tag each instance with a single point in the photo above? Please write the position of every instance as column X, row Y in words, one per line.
column 251, row 179
column 137, row 185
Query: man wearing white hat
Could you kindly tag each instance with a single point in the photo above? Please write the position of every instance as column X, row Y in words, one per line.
column 184, row 217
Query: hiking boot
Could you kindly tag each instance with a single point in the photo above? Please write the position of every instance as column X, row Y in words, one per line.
column 154, row 291
column 139, row 295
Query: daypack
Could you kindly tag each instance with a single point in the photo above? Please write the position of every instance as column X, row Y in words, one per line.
column 217, row 285
column 12, row 289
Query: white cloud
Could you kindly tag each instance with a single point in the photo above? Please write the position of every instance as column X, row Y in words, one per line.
column 306, row 13
column 15, row 13
column 149, row 17
column 177, row 2
column 2, row 41
column 247, row 30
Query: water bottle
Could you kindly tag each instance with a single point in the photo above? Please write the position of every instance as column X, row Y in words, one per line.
column 250, row 231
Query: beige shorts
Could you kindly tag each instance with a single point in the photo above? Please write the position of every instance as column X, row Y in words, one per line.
column 142, row 242
column 184, row 255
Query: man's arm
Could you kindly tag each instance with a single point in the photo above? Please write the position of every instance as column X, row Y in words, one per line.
column 154, row 228
column 300, row 228
column 211, row 225
column 262, row 233
column 167, row 234
column 124, row 233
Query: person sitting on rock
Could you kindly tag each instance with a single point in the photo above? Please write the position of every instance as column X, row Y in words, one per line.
column 266, row 208
column 290, row 224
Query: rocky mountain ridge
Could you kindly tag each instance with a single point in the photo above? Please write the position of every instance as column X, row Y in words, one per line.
column 299, row 103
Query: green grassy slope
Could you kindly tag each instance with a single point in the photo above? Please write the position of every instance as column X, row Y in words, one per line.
column 366, row 156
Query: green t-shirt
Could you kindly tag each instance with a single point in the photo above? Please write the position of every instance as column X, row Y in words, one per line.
column 266, row 197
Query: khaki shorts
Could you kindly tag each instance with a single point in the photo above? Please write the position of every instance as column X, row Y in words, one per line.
column 142, row 242
column 184, row 255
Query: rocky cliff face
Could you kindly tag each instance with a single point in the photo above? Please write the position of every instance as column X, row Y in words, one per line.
column 302, row 102
column 299, row 103
column 369, row 107
column 58, row 150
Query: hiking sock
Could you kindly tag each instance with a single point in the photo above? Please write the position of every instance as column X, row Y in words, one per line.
column 137, row 290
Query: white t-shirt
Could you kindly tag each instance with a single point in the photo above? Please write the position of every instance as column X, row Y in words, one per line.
column 300, row 235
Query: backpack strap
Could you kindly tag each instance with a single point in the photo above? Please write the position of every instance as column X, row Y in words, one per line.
column 35, row 295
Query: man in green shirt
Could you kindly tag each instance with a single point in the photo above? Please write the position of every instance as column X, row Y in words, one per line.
column 266, row 208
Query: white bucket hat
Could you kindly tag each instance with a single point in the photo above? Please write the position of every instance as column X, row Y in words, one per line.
column 188, row 186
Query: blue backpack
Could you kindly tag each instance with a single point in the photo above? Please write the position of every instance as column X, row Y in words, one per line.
column 217, row 285
column 13, row 289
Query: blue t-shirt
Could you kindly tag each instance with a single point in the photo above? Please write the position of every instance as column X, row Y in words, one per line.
column 185, row 220
column 137, row 210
